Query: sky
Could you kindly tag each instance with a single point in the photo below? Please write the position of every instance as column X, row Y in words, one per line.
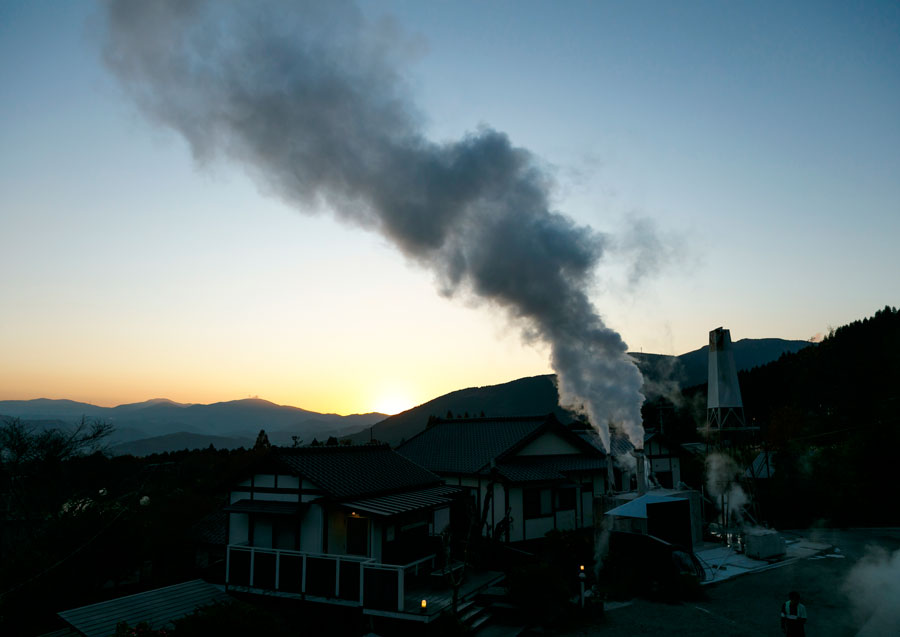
column 757, row 142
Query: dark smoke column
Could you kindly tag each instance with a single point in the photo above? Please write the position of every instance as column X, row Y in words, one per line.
column 309, row 99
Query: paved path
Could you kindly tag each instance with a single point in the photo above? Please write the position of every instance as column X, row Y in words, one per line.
column 749, row 605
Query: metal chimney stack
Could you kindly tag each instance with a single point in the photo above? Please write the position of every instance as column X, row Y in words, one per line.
column 724, row 407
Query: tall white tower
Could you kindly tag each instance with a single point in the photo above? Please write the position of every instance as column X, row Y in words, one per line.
column 724, row 407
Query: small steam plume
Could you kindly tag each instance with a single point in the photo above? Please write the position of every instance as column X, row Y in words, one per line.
column 722, row 474
column 309, row 98
column 873, row 586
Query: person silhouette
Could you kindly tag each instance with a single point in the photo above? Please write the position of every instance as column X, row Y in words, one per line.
column 793, row 616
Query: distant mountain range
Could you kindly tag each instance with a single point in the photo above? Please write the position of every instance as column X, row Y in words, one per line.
column 537, row 394
column 163, row 425
column 691, row 368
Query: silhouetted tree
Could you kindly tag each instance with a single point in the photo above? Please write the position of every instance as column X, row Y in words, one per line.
column 331, row 442
column 262, row 441
column 31, row 460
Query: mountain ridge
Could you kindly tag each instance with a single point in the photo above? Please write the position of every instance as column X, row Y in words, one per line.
column 663, row 374
column 241, row 419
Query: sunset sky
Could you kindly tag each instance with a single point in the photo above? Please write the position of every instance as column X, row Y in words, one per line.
column 760, row 141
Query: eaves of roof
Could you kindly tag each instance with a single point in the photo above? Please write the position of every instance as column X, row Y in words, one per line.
column 399, row 503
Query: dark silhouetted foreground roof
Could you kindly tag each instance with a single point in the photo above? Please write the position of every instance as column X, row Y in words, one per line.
column 364, row 470
column 467, row 446
column 157, row 607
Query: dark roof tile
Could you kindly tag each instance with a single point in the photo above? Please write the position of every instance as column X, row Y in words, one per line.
column 354, row 471
column 466, row 446
column 549, row 468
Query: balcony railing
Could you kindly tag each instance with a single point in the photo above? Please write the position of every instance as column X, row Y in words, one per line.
column 348, row 579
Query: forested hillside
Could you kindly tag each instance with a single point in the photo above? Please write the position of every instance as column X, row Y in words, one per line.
column 831, row 414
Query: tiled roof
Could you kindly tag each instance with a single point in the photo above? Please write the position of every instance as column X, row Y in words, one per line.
column 466, row 446
column 396, row 503
column 213, row 529
column 548, row 468
column 157, row 607
column 354, row 471
column 620, row 445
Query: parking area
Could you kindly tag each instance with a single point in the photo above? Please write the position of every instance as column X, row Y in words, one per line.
column 748, row 602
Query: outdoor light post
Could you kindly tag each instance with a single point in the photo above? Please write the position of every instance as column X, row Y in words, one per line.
column 581, row 581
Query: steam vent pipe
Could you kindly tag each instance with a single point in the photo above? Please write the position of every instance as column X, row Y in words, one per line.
column 641, row 471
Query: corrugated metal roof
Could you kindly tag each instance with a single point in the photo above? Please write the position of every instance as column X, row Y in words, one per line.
column 466, row 446
column 157, row 607
column 272, row 507
column 637, row 508
column 356, row 471
column 548, row 468
column 396, row 503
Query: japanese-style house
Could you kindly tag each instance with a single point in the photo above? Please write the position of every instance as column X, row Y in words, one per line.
column 534, row 473
column 350, row 525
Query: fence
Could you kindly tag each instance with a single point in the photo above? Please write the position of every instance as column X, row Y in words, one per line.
column 352, row 579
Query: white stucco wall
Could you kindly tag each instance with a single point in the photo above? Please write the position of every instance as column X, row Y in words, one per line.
column 311, row 530
column 538, row 527
column 238, row 528
column 337, row 532
column 264, row 480
column 549, row 444
column 288, row 482
column 276, row 497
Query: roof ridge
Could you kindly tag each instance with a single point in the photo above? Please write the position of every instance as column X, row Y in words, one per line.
column 323, row 448
column 481, row 419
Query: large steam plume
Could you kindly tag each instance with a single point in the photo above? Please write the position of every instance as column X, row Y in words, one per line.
column 308, row 97
column 873, row 586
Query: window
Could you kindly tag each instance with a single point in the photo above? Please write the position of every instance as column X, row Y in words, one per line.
column 536, row 503
column 565, row 499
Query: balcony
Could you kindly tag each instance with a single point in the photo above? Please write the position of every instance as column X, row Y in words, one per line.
column 393, row 590
column 339, row 579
